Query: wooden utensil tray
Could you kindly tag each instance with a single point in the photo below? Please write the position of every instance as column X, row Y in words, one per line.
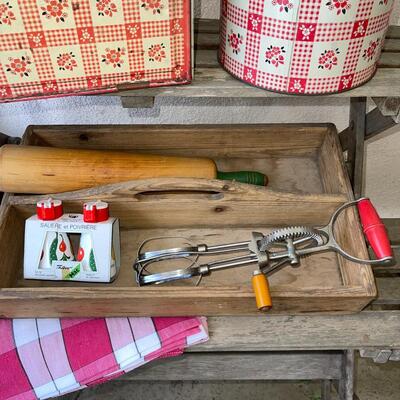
column 307, row 183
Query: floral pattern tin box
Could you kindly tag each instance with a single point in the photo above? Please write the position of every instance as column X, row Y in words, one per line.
column 303, row 46
column 58, row 47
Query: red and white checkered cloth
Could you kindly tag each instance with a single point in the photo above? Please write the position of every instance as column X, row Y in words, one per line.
column 43, row 358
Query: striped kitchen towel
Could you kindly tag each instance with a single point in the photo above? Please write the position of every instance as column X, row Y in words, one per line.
column 47, row 357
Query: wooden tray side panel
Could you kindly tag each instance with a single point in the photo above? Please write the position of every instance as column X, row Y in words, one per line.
column 352, row 240
column 200, row 140
column 336, row 180
column 11, row 243
column 332, row 167
column 102, row 302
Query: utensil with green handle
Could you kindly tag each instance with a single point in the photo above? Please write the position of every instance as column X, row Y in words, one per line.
column 250, row 177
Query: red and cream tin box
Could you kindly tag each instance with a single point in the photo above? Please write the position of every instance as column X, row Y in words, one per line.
column 303, row 46
column 58, row 47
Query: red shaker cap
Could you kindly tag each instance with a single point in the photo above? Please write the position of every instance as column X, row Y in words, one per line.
column 95, row 211
column 50, row 209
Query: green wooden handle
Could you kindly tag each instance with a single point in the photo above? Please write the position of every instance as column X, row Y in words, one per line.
column 251, row 177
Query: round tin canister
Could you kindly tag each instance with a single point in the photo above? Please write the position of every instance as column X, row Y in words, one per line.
column 303, row 46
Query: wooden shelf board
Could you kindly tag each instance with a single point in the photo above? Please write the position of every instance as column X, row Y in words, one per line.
column 211, row 81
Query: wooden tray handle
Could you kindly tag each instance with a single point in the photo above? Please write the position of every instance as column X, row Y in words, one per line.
column 132, row 190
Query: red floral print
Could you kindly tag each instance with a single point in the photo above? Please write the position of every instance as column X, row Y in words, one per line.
column 55, row 9
column 5, row 91
column 306, row 31
column 249, row 75
column 284, row 5
column 156, row 52
column 371, row 50
column 114, row 57
column 36, row 39
column 93, row 81
column 133, row 31
column 341, row 6
column 6, row 15
column 66, row 61
column 177, row 71
column 254, row 23
column 176, row 27
column 106, row 8
column 328, row 59
column 274, row 55
column 360, row 29
column 137, row 76
column 235, row 40
column 296, row 86
column 155, row 6
column 19, row 66
column 49, row 86
column 86, row 36
column 346, row 82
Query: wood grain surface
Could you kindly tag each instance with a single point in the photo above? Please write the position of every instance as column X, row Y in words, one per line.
column 308, row 182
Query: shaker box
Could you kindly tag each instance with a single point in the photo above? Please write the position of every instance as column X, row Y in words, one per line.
column 100, row 264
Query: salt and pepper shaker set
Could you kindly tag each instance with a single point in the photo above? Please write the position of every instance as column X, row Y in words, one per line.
column 57, row 245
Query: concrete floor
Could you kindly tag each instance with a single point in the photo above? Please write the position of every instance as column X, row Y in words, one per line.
column 374, row 382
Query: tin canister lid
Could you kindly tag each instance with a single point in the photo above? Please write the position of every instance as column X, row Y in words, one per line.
column 95, row 211
column 49, row 209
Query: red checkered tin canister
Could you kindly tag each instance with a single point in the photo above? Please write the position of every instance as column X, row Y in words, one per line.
column 303, row 46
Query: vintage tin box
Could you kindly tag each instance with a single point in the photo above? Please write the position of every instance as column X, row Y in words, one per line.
column 303, row 46
column 59, row 47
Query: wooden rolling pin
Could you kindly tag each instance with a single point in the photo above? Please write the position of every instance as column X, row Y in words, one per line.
column 35, row 169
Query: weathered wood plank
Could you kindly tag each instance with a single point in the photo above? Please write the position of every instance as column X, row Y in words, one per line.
column 355, row 147
column 217, row 83
column 206, row 59
column 205, row 140
column 346, row 383
column 243, row 366
column 367, row 329
column 393, row 32
column 206, row 25
column 389, row 292
column 392, row 45
column 326, row 389
column 207, row 41
column 389, row 60
column 388, row 270
column 393, row 227
column 137, row 102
